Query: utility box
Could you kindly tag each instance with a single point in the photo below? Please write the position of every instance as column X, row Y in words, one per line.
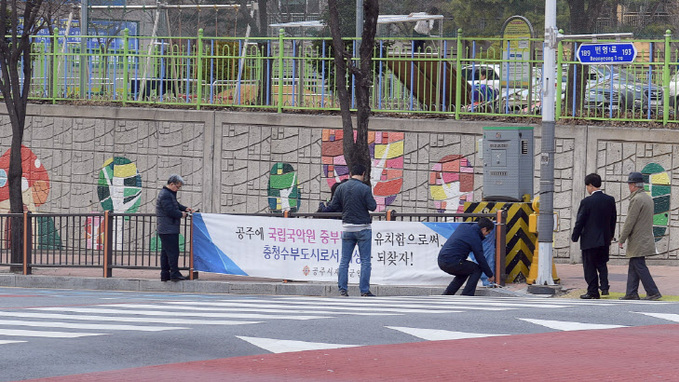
column 507, row 163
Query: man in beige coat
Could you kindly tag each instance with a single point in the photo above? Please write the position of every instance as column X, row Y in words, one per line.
column 638, row 228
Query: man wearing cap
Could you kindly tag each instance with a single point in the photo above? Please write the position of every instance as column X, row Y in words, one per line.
column 638, row 228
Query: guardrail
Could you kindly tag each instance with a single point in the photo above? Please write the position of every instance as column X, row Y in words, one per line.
column 286, row 74
column 108, row 240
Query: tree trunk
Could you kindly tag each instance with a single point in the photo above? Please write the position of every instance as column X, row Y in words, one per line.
column 355, row 150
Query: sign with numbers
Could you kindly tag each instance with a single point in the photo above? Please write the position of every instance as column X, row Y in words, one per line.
column 610, row 53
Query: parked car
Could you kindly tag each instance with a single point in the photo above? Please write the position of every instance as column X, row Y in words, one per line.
column 474, row 74
column 674, row 92
column 613, row 86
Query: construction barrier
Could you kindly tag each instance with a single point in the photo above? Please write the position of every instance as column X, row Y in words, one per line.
column 521, row 243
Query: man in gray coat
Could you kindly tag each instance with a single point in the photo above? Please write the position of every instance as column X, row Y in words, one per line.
column 638, row 228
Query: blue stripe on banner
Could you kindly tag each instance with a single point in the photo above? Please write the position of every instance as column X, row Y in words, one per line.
column 207, row 257
column 443, row 229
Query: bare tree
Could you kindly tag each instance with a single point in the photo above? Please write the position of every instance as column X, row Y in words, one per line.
column 355, row 151
column 15, row 81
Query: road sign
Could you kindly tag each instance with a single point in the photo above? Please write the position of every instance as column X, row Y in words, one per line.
column 611, row 53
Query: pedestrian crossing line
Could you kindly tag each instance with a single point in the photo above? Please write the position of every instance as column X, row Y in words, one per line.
column 78, row 325
column 567, row 326
column 150, row 320
column 3, row 342
column 179, row 314
column 199, row 306
column 664, row 316
column 440, row 335
column 378, row 306
column 287, row 346
column 336, row 309
column 47, row 334
column 437, row 301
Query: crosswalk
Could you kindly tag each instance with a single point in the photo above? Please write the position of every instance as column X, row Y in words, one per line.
column 21, row 325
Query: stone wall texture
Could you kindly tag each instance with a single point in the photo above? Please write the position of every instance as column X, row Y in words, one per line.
column 227, row 158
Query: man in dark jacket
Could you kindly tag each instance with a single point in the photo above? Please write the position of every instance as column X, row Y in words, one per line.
column 355, row 199
column 169, row 213
column 595, row 226
column 453, row 256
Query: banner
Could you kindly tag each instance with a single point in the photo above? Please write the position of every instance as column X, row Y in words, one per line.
column 403, row 253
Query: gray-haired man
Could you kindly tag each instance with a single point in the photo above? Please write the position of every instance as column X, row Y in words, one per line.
column 170, row 213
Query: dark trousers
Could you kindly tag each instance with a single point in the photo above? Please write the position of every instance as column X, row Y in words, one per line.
column 594, row 261
column 638, row 271
column 462, row 271
column 169, row 256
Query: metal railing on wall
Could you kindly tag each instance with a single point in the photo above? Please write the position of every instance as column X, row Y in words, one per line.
column 284, row 74
column 130, row 241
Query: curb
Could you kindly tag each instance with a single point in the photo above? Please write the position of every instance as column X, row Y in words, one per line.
column 224, row 287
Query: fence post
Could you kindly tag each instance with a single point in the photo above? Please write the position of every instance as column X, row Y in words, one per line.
column 28, row 243
column 666, row 79
column 501, row 248
column 458, row 76
column 192, row 275
column 559, row 79
column 55, row 64
column 108, row 243
column 199, row 58
column 281, row 34
column 126, row 69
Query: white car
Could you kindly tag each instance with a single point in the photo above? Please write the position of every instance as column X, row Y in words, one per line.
column 674, row 92
column 493, row 72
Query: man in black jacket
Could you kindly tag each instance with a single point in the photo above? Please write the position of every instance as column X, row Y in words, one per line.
column 170, row 212
column 453, row 256
column 595, row 226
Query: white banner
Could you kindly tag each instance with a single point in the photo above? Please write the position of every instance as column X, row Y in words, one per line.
column 403, row 253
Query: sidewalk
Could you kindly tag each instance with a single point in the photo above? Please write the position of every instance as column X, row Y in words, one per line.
column 572, row 283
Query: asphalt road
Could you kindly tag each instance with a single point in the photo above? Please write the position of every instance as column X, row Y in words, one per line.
column 47, row 333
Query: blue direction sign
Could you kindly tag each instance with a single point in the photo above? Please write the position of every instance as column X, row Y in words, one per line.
column 612, row 53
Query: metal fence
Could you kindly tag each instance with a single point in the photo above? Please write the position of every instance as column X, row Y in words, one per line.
column 108, row 241
column 284, row 74
column 95, row 240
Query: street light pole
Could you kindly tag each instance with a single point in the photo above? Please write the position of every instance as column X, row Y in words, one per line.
column 84, row 58
column 546, row 219
column 359, row 18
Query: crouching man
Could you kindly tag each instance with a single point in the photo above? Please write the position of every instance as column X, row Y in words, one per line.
column 453, row 256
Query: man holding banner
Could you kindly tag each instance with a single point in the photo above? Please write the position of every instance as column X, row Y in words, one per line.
column 453, row 256
column 355, row 199
column 170, row 212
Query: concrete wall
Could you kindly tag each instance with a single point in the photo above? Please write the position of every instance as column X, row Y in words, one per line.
column 226, row 159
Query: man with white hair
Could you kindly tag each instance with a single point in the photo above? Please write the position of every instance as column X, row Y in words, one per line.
column 170, row 212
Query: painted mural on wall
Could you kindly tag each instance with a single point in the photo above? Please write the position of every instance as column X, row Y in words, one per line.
column 119, row 186
column 386, row 150
column 35, row 189
column 35, row 183
column 657, row 184
column 119, row 191
column 451, row 183
column 283, row 189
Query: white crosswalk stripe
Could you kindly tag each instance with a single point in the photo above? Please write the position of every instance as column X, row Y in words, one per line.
column 49, row 334
column 181, row 314
column 149, row 320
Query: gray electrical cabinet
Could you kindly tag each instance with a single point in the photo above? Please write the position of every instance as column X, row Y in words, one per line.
column 507, row 163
